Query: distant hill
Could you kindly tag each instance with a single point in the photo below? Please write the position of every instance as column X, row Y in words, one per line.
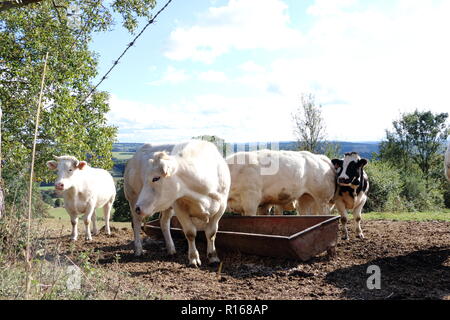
column 365, row 149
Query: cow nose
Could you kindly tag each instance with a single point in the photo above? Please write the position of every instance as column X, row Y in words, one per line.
column 59, row 186
column 137, row 210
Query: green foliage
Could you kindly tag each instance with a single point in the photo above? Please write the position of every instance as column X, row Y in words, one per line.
column 418, row 196
column 415, row 147
column 59, row 203
column 16, row 188
column 68, row 125
column 447, row 194
column 120, row 205
column 385, row 186
column 47, row 198
column 416, row 143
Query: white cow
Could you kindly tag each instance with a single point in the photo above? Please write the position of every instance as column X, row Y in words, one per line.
column 194, row 179
column 84, row 189
column 353, row 185
column 138, row 168
column 447, row 163
column 267, row 177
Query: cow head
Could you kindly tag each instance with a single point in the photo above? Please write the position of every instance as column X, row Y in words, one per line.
column 66, row 167
column 160, row 189
column 349, row 169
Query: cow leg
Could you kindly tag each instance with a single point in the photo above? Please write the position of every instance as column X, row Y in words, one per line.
column 210, row 232
column 165, row 228
column 190, row 232
column 340, row 206
column 74, row 222
column 136, row 222
column 94, row 224
column 357, row 217
column 87, row 222
column 107, row 215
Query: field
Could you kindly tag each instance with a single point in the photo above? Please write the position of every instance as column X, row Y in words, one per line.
column 414, row 258
column 122, row 155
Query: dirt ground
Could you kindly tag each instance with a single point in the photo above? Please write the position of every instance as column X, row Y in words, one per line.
column 414, row 258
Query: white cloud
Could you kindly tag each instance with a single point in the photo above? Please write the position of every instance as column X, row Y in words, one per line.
column 213, row 76
column 239, row 25
column 172, row 76
column 364, row 63
column 236, row 119
column 327, row 7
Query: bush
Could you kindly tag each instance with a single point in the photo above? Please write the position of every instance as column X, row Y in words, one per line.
column 59, row 203
column 418, row 197
column 16, row 186
column 385, row 186
column 120, row 205
column 47, row 198
column 447, row 195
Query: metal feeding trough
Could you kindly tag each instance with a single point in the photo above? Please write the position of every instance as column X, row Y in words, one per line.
column 295, row 237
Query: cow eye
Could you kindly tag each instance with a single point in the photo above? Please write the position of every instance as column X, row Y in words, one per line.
column 70, row 170
column 156, row 179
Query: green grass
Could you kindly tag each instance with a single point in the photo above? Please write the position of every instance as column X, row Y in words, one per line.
column 42, row 188
column 60, row 218
column 443, row 215
column 61, row 213
column 122, row 155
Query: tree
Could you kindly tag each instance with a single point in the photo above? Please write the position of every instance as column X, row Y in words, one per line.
column 416, row 143
column 309, row 126
column 69, row 125
column 223, row 147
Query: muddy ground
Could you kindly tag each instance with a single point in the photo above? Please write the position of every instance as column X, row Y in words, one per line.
column 414, row 258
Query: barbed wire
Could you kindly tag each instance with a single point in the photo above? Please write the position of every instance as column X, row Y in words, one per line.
column 116, row 62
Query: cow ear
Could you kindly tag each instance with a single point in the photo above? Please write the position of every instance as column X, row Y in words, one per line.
column 337, row 163
column 362, row 162
column 168, row 167
column 81, row 165
column 52, row 164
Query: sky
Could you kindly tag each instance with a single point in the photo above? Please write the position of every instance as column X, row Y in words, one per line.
column 237, row 68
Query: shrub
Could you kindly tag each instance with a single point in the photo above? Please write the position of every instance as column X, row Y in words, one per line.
column 120, row 205
column 418, row 196
column 59, row 203
column 385, row 187
column 16, row 185
column 47, row 198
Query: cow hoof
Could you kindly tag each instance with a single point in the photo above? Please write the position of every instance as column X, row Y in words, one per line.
column 360, row 236
column 138, row 254
column 214, row 264
column 213, row 259
column 195, row 263
column 72, row 239
column 171, row 252
column 345, row 238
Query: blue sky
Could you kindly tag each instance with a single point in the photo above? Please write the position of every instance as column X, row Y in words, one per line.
column 237, row 68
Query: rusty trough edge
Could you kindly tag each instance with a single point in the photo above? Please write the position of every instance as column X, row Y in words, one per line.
column 318, row 225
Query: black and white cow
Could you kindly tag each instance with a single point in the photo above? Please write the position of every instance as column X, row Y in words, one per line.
column 351, row 191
